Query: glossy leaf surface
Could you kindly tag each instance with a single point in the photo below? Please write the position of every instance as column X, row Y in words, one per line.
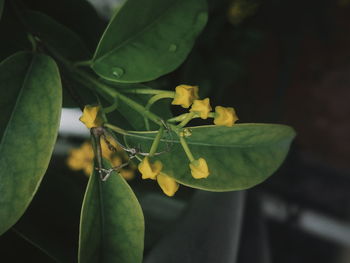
column 112, row 224
column 147, row 39
column 238, row 157
column 30, row 107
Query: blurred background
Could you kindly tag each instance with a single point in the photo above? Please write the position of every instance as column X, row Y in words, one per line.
column 275, row 61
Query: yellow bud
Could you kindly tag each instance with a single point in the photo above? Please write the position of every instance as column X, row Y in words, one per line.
column 116, row 161
column 76, row 160
column 185, row 95
column 199, row 169
column 201, row 107
column 127, row 174
column 89, row 168
column 150, row 170
column 225, row 116
column 92, row 116
column 168, row 184
column 81, row 157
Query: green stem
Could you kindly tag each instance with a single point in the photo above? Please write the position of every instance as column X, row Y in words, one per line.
column 85, row 63
column 155, row 98
column 156, row 141
column 189, row 117
column 178, row 118
column 115, row 128
column 145, row 91
column 111, row 108
column 105, row 90
column 186, row 148
column 32, row 42
column 182, row 117
column 164, row 95
column 109, row 92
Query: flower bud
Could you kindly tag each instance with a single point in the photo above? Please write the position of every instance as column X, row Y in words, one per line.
column 168, row 184
column 92, row 116
column 185, row 95
column 201, row 107
column 225, row 116
column 150, row 170
column 199, row 168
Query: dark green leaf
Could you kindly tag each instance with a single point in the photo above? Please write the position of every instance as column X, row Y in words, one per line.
column 13, row 34
column 77, row 15
column 238, row 157
column 65, row 42
column 30, row 105
column 56, row 36
column 112, row 225
column 147, row 39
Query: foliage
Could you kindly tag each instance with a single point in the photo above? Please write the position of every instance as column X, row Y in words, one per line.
column 144, row 41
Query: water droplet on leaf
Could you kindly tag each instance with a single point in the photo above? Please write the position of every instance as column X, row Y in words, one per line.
column 117, row 72
column 172, row 48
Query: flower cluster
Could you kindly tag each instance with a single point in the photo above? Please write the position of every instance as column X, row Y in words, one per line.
column 186, row 95
column 82, row 159
column 154, row 171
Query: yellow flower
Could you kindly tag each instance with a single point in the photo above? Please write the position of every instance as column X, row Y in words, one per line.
column 225, row 116
column 168, row 184
column 92, row 116
column 81, row 158
column 150, row 170
column 89, row 168
column 199, row 169
column 185, row 95
column 201, row 107
column 116, row 161
column 127, row 174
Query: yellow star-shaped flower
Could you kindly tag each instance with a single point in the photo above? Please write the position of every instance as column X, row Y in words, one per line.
column 150, row 170
column 225, row 116
column 81, row 158
column 201, row 107
column 168, row 184
column 199, row 169
column 185, row 95
column 92, row 116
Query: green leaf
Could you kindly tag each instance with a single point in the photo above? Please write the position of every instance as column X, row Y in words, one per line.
column 56, row 36
column 13, row 34
column 88, row 25
column 30, row 106
column 238, row 157
column 147, row 39
column 68, row 44
column 112, row 224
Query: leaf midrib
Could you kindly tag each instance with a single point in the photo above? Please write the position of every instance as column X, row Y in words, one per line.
column 17, row 102
column 102, row 215
column 210, row 145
